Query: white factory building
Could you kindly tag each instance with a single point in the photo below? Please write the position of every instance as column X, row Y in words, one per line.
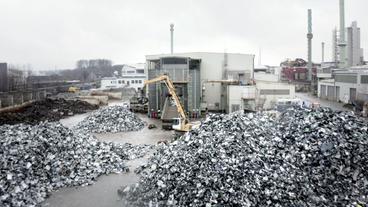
column 215, row 82
column 132, row 76
column 346, row 86
column 197, row 77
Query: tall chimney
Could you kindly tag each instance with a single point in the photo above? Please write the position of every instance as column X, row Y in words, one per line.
column 342, row 41
column 323, row 52
column 310, row 37
column 172, row 37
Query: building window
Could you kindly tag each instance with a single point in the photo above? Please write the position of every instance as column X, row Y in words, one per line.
column 141, row 71
column 364, row 79
column 346, row 78
column 140, row 81
column 174, row 60
column 274, row 92
column 119, row 81
column 123, row 81
column 112, row 82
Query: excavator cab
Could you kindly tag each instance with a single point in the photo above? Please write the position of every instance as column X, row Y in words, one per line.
column 177, row 124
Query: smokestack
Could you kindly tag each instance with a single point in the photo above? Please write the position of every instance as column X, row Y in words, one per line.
column 172, row 37
column 323, row 52
column 309, row 37
column 342, row 42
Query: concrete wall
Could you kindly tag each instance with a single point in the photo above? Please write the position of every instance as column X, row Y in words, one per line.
column 242, row 96
column 6, row 100
column 266, row 77
column 270, row 100
column 11, row 99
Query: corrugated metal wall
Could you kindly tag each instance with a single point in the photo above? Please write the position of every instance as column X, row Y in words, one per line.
column 331, row 93
column 346, row 78
column 188, row 85
column 323, row 91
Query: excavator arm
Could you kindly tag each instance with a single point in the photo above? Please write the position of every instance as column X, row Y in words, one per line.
column 169, row 84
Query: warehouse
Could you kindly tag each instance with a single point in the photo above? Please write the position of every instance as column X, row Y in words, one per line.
column 347, row 86
column 197, row 77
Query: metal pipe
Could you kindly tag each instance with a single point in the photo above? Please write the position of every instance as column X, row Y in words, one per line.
column 172, row 37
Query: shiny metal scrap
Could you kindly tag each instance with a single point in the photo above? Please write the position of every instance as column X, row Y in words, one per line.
column 303, row 158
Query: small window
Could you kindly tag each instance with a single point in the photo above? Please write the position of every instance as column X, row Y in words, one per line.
column 119, row 81
column 140, row 81
column 112, row 82
column 128, row 82
column 364, row 79
column 123, row 81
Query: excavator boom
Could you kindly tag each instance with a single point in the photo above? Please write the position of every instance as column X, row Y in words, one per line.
column 169, row 84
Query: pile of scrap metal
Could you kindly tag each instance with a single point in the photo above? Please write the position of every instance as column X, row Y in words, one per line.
column 306, row 157
column 46, row 110
column 111, row 119
column 36, row 160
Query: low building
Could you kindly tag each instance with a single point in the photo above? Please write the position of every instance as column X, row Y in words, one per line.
column 132, row 76
column 346, row 85
column 262, row 96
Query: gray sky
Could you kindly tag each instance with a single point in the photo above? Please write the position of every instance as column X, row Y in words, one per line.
column 52, row 34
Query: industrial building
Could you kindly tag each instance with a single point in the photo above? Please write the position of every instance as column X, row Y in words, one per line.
column 296, row 72
column 201, row 79
column 347, row 86
column 132, row 76
column 346, row 43
column 354, row 50
column 262, row 96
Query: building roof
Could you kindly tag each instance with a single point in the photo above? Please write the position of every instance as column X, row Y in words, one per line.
column 188, row 54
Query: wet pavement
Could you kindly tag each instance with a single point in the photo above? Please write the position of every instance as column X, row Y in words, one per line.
column 104, row 191
column 325, row 103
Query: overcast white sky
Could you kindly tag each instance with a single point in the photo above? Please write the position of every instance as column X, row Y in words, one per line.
column 51, row 34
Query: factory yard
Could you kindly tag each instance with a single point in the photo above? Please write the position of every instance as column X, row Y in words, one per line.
column 104, row 191
column 231, row 159
column 201, row 125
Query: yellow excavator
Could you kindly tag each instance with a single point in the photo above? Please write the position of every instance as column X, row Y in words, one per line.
column 181, row 124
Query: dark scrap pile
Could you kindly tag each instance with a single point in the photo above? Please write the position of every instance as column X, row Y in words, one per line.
column 35, row 160
column 306, row 158
column 111, row 119
column 46, row 110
